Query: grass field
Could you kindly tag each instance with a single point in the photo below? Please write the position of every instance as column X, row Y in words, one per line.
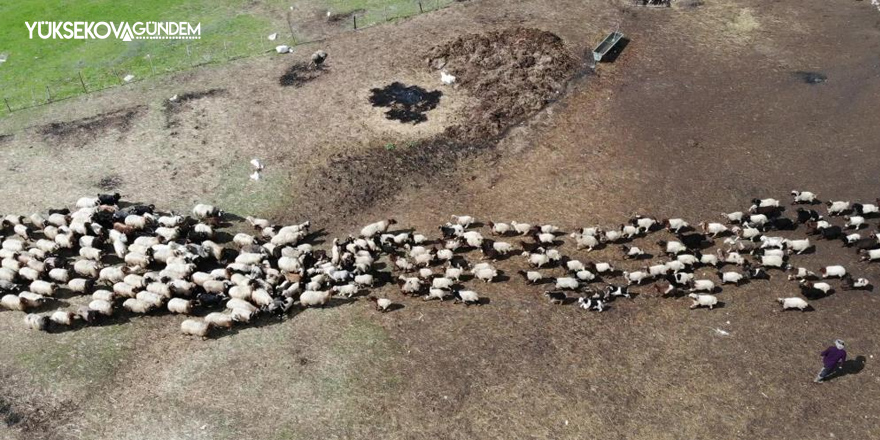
column 229, row 29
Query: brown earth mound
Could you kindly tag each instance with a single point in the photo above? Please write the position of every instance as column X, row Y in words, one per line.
column 513, row 73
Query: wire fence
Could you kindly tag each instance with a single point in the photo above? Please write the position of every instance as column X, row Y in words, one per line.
column 180, row 55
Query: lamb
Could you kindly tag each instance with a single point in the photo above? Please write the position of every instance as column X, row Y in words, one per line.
column 870, row 255
column 179, row 305
column 793, row 303
column 849, row 283
column 376, row 228
column 567, row 283
column 833, row 271
column 854, row 222
column 464, row 220
column 36, row 322
column 585, row 241
column 615, row 291
column 499, row 228
column 672, row 247
column 702, row 286
column 193, row 327
column 468, row 297
column 537, row 260
column 703, row 300
column 803, row 197
column 437, row 294
column 532, row 277
column 798, row 246
column 837, row 207
column 348, row 290
column 866, row 209
column 202, row 211
column 556, row 297
column 675, row 225
column 631, row 252
column 733, row 217
column 731, row 277
column 311, row 298
column 591, row 304
column 382, row 304
column 635, row 277
column 486, row 274
column 801, row 274
column 713, row 228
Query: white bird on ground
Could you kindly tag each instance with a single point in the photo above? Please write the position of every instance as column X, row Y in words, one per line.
column 446, row 78
column 257, row 164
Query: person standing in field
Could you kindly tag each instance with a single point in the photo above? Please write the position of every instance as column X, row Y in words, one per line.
column 832, row 358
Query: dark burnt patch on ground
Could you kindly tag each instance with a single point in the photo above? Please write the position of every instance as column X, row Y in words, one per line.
column 82, row 131
column 300, row 73
column 405, row 103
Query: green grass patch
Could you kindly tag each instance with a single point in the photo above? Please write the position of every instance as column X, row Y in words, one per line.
column 229, row 29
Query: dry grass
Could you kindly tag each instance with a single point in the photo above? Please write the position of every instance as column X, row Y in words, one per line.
column 676, row 126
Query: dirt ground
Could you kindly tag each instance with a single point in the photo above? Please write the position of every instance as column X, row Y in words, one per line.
column 705, row 108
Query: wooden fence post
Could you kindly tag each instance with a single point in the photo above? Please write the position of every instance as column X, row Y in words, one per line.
column 83, row 82
column 355, row 19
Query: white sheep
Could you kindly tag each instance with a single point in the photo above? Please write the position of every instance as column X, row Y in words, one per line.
column 43, row 287
column 657, row 270
column 101, row 307
column 440, row 294
column 793, row 303
column 854, row 222
column 713, row 228
column 499, row 228
column 521, row 228
column 838, row 207
column 87, row 268
column 180, row 305
column 137, row 306
column 376, row 228
column 62, row 317
column 219, row 320
column 202, row 211
column 871, row 255
column 702, row 286
column 235, row 303
column 802, row 273
column 13, row 302
column 468, row 297
column 567, row 283
column 464, row 220
column 733, row 217
column 486, row 274
column 773, row 261
column 798, row 246
column 382, row 304
column 836, row 271
column 31, row 300
column 36, row 322
column 80, row 285
column 311, row 298
column 803, row 197
column 636, row 277
column 536, row 259
column 364, row 280
column 195, row 327
column 731, row 277
column 703, row 300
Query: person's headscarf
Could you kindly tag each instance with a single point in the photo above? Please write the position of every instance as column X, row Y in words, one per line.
column 839, row 344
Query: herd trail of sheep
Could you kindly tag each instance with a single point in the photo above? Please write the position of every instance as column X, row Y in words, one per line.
column 138, row 261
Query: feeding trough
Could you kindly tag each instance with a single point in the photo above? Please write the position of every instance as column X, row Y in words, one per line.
column 606, row 45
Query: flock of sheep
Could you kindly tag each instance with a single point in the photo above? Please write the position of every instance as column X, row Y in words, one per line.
column 136, row 260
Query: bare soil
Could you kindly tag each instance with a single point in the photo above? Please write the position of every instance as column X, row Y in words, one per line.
column 702, row 111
